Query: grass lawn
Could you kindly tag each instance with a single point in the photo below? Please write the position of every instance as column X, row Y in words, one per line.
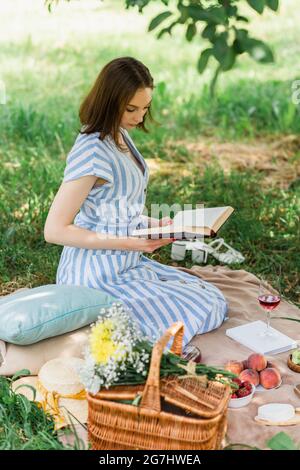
column 49, row 61
column 240, row 149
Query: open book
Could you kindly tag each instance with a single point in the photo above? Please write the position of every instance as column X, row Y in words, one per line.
column 195, row 223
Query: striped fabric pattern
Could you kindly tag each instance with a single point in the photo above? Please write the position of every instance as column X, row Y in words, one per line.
column 157, row 295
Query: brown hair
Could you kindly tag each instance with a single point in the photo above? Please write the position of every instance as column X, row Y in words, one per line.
column 102, row 109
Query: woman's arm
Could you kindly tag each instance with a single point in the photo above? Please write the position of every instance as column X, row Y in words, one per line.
column 60, row 230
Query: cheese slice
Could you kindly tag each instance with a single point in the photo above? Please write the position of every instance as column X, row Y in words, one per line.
column 276, row 412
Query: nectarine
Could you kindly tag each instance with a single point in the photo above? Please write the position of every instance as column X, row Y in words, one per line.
column 257, row 362
column 235, row 367
column 249, row 375
column 269, row 378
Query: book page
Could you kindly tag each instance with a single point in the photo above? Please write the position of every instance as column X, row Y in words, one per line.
column 190, row 223
column 204, row 217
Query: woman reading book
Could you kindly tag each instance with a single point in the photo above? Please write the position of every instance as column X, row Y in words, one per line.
column 104, row 186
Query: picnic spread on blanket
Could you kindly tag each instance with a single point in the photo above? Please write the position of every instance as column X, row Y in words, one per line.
column 265, row 400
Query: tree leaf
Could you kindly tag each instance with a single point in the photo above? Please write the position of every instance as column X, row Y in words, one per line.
column 240, row 44
column 281, row 441
column 216, row 15
column 273, row 4
column 209, row 31
column 260, row 51
column 257, row 5
column 242, row 18
column 228, row 59
column 167, row 30
column 159, row 19
column 220, row 47
column 203, row 59
column 191, row 31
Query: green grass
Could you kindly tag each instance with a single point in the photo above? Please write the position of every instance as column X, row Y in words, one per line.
column 265, row 228
column 24, row 425
column 48, row 63
column 55, row 68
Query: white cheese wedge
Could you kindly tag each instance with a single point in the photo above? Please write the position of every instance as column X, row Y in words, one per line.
column 276, row 412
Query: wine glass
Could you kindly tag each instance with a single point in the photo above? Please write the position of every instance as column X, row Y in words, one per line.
column 269, row 297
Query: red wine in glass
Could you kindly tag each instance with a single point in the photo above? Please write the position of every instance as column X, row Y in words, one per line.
column 269, row 302
column 269, row 299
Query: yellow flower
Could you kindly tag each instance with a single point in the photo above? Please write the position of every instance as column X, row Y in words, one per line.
column 101, row 345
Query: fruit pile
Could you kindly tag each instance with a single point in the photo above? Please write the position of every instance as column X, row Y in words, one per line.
column 244, row 389
column 256, row 370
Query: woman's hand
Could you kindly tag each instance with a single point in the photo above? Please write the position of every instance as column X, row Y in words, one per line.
column 142, row 244
column 152, row 222
column 165, row 221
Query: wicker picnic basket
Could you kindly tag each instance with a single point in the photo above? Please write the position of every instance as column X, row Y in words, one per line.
column 173, row 413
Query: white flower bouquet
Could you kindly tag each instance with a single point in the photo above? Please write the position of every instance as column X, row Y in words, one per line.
column 118, row 354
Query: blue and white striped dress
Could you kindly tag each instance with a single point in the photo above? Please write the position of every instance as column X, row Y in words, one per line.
column 158, row 295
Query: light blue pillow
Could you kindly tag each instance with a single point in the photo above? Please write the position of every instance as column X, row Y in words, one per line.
column 29, row 316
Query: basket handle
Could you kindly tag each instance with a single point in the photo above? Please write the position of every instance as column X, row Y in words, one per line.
column 151, row 393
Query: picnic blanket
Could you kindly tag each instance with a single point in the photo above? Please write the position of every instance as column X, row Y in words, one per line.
column 240, row 290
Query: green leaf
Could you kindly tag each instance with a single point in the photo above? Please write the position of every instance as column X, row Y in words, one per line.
column 260, row 51
column 137, row 399
column 159, row 19
column 167, row 30
column 20, row 373
column 27, row 429
column 28, row 386
column 257, row 5
column 191, row 31
column 242, row 18
column 209, row 31
column 273, row 4
column 203, row 59
column 281, row 441
column 240, row 44
column 220, row 47
column 25, row 404
column 184, row 13
column 214, row 15
column 290, row 318
column 173, row 358
column 228, row 59
column 231, row 10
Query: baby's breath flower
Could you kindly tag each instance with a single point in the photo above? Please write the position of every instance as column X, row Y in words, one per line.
column 118, row 353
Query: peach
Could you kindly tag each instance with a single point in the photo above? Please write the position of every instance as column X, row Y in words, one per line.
column 257, row 362
column 269, row 378
column 245, row 364
column 235, row 367
column 249, row 375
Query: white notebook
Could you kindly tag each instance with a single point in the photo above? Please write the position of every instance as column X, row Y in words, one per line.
column 249, row 335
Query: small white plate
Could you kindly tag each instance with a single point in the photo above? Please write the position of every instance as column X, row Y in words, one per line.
column 260, row 388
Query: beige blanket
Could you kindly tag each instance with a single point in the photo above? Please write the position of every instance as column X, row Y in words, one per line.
column 240, row 289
